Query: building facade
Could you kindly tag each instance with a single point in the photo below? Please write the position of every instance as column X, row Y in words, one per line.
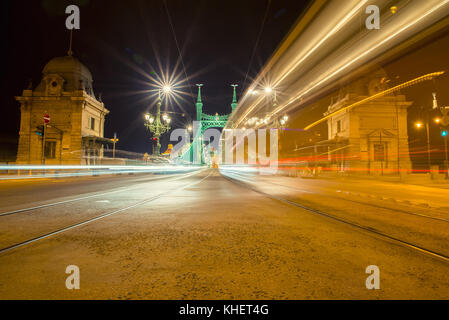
column 371, row 137
column 75, row 134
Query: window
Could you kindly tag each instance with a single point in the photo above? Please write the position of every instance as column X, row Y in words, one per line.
column 92, row 123
column 339, row 126
column 50, row 149
column 379, row 152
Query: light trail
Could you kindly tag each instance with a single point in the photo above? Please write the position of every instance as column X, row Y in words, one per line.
column 338, row 52
column 334, row 30
column 360, row 56
column 425, row 77
column 291, row 68
column 54, row 171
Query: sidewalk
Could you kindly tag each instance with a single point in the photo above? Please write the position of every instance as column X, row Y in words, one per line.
column 411, row 179
column 417, row 190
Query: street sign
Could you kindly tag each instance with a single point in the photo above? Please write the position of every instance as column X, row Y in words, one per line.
column 46, row 118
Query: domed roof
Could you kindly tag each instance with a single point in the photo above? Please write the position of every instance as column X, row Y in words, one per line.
column 67, row 65
column 75, row 74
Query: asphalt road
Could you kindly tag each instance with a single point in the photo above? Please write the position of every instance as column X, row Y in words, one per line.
column 203, row 235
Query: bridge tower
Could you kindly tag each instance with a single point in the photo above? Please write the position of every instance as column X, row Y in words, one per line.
column 196, row 150
column 234, row 98
column 199, row 104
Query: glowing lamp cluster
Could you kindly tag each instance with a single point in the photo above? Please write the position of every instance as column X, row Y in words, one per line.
column 254, row 92
column 284, row 120
column 149, row 118
column 158, row 125
column 167, row 89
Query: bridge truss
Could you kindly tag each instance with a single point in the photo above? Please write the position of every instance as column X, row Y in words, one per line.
column 197, row 151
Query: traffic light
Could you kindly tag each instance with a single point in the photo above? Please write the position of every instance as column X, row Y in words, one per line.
column 40, row 131
column 444, row 133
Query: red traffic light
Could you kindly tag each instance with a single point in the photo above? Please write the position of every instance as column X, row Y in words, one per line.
column 154, row 139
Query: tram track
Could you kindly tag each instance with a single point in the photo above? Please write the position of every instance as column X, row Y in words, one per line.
column 371, row 204
column 45, row 235
column 370, row 230
column 364, row 203
column 69, row 201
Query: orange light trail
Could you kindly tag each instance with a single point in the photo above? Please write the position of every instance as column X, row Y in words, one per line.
column 425, row 77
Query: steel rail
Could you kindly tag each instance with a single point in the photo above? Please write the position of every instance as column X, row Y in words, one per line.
column 8, row 213
column 381, row 234
column 102, row 216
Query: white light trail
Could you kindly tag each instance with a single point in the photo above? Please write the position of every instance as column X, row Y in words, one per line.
column 340, row 54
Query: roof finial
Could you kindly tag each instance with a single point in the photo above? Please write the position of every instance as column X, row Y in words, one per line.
column 199, row 93
column 70, row 52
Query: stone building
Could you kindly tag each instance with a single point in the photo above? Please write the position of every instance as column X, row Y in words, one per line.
column 370, row 137
column 75, row 132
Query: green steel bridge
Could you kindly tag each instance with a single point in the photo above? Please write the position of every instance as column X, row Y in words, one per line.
column 195, row 153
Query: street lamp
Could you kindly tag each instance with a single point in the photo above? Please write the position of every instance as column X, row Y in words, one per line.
column 444, row 122
column 155, row 125
column 419, row 125
column 167, row 89
column 444, row 134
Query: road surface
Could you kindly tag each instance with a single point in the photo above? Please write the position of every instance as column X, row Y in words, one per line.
column 205, row 235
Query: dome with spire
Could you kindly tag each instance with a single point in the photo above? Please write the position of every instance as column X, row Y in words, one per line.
column 72, row 75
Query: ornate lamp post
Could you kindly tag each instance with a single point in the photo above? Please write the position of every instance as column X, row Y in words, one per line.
column 157, row 126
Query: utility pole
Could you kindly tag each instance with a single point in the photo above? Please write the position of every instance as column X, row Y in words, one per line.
column 43, row 144
column 383, row 152
column 444, row 133
column 429, row 163
column 46, row 122
column 115, row 140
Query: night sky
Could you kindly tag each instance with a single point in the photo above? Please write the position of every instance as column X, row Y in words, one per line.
column 118, row 38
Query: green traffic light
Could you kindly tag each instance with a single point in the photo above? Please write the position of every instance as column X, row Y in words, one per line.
column 444, row 133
